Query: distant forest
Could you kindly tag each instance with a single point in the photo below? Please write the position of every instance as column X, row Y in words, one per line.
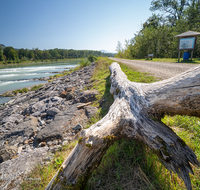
column 156, row 35
column 11, row 55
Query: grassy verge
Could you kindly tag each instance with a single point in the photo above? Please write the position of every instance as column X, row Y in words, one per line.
column 171, row 60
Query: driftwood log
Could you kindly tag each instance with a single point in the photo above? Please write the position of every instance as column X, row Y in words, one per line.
column 136, row 113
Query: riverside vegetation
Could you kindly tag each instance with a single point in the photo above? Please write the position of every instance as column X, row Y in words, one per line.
column 9, row 55
column 128, row 164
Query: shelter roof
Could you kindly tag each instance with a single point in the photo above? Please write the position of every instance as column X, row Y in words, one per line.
column 187, row 34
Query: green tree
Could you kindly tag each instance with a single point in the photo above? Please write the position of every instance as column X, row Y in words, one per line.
column 30, row 54
column 12, row 54
column 1, row 55
column 92, row 58
column 173, row 8
column 46, row 55
column 119, row 50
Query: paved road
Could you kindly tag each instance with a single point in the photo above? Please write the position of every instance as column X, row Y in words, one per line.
column 160, row 70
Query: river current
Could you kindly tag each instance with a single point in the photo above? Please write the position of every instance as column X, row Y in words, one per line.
column 19, row 76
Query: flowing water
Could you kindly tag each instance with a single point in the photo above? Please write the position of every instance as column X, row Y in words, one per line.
column 19, row 76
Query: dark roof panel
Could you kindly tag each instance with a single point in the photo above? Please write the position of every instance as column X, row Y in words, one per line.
column 189, row 33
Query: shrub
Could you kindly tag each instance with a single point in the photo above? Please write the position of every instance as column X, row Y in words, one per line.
column 84, row 63
column 92, row 58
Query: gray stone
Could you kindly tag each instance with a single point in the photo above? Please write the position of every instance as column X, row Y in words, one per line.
column 52, row 112
column 77, row 128
column 86, row 96
column 62, row 122
column 19, row 150
column 55, row 142
column 22, row 131
column 49, row 143
column 46, row 159
column 14, row 118
column 55, row 148
column 90, row 111
column 7, row 152
column 65, row 143
column 56, row 99
column 42, row 122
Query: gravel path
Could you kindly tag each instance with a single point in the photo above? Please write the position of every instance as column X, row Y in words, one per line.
column 160, row 70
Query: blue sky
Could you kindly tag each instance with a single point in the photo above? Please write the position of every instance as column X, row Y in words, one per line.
column 71, row 24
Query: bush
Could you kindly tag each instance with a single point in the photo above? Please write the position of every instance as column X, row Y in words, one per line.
column 84, row 63
column 92, row 58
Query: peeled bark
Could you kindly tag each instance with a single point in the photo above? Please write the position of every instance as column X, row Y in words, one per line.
column 136, row 113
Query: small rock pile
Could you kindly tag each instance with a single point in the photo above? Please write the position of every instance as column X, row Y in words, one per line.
column 37, row 123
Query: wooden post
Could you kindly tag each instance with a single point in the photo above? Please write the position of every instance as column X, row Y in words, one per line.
column 179, row 53
column 191, row 55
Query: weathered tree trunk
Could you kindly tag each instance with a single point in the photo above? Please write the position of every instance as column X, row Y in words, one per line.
column 136, row 113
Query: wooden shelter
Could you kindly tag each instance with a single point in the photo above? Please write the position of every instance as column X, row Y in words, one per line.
column 187, row 41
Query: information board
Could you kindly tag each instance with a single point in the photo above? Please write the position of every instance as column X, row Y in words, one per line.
column 186, row 43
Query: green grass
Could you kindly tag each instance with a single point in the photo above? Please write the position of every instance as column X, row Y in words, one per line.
column 46, row 172
column 188, row 128
column 23, row 90
column 36, row 87
column 127, row 164
column 137, row 76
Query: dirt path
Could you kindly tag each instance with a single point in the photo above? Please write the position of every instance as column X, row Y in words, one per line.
column 160, row 70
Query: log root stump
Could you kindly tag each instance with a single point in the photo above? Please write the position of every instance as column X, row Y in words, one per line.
column 136, row 113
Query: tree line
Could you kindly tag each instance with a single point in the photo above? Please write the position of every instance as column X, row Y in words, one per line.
column 9, row 54
column 156, row 35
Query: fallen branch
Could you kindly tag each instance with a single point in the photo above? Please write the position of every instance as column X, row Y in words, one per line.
column 136, row 113
column 83, row 105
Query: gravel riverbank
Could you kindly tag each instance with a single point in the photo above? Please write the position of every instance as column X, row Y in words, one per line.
column 161, row 70
column 36, row 124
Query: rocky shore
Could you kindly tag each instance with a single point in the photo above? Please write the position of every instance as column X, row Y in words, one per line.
column 36, row 124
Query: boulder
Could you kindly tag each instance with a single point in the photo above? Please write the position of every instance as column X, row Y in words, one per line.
column 77, row 128
column 90, row 111
column 21, row 132
column 14, row 118
column 69, row 93
column 52, row 112
column 7, row 152
column 86, row 96
column 62, row 123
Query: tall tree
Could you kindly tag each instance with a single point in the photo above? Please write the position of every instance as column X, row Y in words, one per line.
column 12, row 54
column 1, row 55
column 119, row 49
column 173, row 8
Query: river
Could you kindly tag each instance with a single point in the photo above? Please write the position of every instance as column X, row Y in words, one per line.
column 19, row 76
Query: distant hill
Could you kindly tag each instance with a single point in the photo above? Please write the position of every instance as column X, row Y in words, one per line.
column 104, row 51
column 2, row 46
